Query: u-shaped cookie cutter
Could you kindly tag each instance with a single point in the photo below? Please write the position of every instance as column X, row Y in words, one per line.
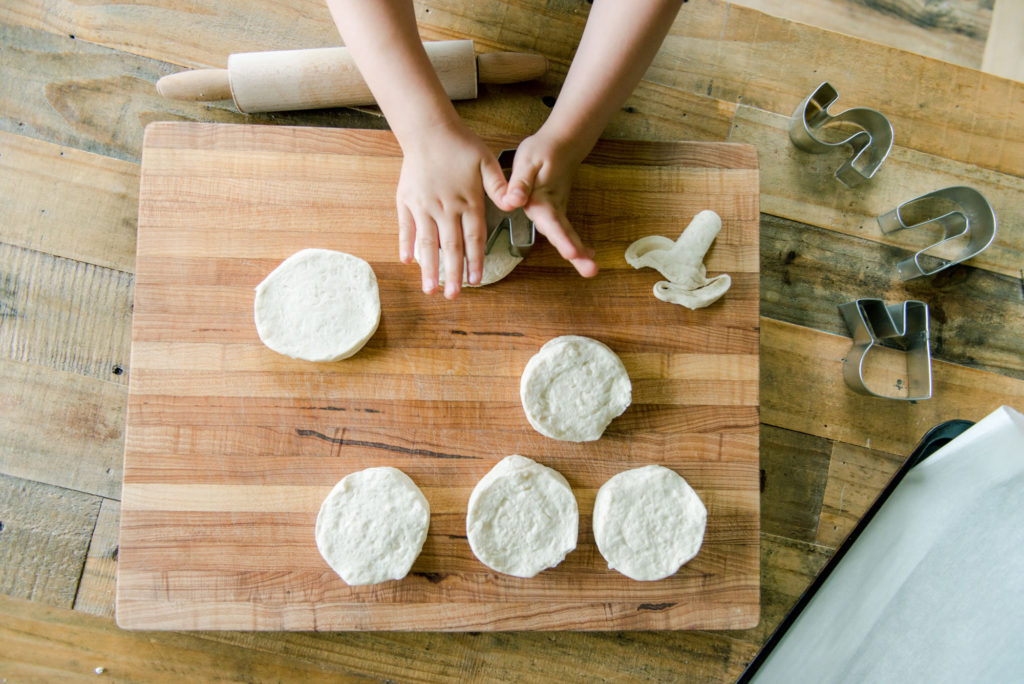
column 900, row 326
column 973, row 222
column 521, row 230
column 871, row 144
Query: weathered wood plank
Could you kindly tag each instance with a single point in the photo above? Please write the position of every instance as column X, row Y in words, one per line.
column 802, row 389
column 802, row 187
column 70, row 92
column 953, row 31
column 808, row 272
column 179, row 32
column 64, row 314
column 856, row 476
column 733, row 53
column 69, row 203
column 704, row 65
column 44, row 534
column 61, row 428
column 794, row 469
column 787, row 568
column 96, row 589
column 47, row 642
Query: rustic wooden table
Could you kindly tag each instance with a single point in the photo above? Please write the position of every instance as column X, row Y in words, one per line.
column 77, row 89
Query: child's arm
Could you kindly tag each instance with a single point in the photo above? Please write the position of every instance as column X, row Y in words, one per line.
column 445, row 164
column 618, row 44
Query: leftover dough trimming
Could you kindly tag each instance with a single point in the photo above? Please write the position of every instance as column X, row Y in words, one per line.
column 682, row 263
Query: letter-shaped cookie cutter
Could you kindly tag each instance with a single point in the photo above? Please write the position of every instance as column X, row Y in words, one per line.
column 871, row 144
column 973, row 223
column 900, row 326
column 521, row 230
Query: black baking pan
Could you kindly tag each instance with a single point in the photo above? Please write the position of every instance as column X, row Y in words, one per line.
column 934, row 439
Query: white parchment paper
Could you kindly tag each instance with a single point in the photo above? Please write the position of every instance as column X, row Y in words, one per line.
column 933, row 589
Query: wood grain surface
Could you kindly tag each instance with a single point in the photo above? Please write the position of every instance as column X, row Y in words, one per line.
column 230, row 447
column 77, row 88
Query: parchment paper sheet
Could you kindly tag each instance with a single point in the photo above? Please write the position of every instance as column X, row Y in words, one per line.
column 933, row 589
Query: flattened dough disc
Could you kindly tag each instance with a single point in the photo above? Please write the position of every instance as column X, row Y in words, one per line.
column 522, row 517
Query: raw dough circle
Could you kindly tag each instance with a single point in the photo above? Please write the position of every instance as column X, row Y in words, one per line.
column 318, row 305
column 498, row 264
column 372, row 525
column 573, row 387
column 522, row 517
column 648, row 522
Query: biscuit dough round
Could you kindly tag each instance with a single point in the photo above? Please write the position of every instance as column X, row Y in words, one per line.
column 648, row 522
column 498, row 264
column 573, row 388
column 522, row 517
column 372, row 525
column 318, row 305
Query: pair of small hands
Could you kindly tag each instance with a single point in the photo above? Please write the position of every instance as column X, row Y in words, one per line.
column 440, row 203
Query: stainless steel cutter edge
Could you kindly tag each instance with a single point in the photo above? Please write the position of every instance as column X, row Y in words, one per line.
column 871, row 145
column 522, row 232
column 974, row 222
column 871, row 323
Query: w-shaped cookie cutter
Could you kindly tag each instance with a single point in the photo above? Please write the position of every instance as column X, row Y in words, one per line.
column 521, row 230
column 871, row 144
column 972, row 222
column 899, row 326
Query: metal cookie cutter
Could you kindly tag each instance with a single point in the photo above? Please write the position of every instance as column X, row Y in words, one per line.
column 972, row 223
column 871, row 144
column 521, row 231
column 900, row 326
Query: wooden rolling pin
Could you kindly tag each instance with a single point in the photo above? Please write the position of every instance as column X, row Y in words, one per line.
column 327, row 77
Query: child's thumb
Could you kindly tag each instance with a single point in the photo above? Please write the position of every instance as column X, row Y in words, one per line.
column 519, row 187
column 494, row 181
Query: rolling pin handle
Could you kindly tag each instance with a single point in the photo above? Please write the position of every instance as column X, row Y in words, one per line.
column 510, row 67
column 197, row 85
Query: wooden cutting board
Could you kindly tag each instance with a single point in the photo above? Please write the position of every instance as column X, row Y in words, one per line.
column 230, row 447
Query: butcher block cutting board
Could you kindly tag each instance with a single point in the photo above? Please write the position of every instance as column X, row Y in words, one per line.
column 230, row 447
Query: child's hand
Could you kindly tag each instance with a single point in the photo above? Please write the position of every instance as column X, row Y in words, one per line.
column 541, row 177
column 445, row 172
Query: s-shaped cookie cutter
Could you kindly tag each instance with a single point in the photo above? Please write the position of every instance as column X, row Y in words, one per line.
column 521, row 230
column 871, row 144
column 899, row 326
column 972, row 222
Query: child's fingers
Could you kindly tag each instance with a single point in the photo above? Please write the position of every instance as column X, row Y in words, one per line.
column 585, row 266
column 520, row 185
column 493, row 179
column 451, row 248
column 406, row 235
column 474, row 231
column 426, row 249
column 559, row 232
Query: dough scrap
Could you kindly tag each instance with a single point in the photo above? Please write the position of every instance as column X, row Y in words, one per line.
column 522, row 517
column 682, row 263
column 573, row 388
column 497, row 264
column 648, row 522
column 318, row 305
column 372, row 526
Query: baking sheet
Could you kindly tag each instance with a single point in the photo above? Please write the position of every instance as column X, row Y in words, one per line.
column 933, row 588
